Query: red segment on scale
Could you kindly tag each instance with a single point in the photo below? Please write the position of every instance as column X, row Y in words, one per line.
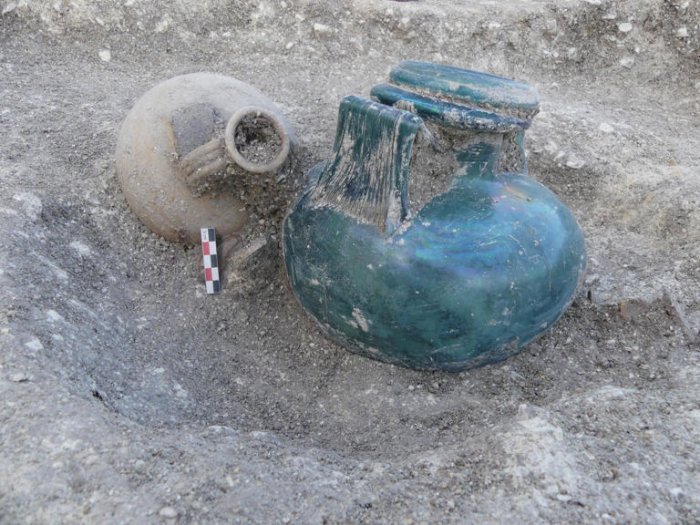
column 211, row 263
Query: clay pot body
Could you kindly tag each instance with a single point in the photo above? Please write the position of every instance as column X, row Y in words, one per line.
column 477, row 269
column 178, row 145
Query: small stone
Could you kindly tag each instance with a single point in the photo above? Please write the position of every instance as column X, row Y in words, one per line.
column 682, row 32
column 105, row 55
column 322, row 30
column 162, row 25
column 575, row 163
column 550, row 26
column 81, row 248
column 168, row 513
column 9, row 8
column 606, row 128
column 31, row 204
column 627, row 62
column 691, row 333
column 593, row 2
column 19, row 377
column 92, row 459
column 632, row 308
column 624, row 27
column 53, row 316
column 34, row 344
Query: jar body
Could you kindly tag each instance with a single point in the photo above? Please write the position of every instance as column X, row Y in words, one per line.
column 479, row 271
column 172, row 146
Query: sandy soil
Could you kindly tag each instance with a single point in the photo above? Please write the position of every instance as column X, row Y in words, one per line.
column 129, row 396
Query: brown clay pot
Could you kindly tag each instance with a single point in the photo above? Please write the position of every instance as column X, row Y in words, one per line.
column 184, row 139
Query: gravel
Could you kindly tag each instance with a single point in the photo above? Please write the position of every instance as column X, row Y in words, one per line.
column 129, row 395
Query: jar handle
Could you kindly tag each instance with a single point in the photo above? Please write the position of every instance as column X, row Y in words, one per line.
column 367, row 175
column 206, row 161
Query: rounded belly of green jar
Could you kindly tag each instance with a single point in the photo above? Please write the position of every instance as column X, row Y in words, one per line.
column 476, row 274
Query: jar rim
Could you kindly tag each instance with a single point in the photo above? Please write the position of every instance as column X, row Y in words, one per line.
column 476, row 88
column 446, row 113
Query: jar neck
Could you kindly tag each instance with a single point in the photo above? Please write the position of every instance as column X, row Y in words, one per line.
column 376, row 175
column 506, row 150
column 456, row 125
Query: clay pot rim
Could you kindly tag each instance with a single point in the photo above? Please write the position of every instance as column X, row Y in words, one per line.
column 277, row 124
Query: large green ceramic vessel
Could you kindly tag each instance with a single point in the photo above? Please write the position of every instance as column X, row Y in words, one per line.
column 487, row 260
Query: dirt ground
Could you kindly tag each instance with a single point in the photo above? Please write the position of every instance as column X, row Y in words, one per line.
column 129, row 396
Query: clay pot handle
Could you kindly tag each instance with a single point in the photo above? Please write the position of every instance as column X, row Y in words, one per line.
column 201, row 164
column 235, row 154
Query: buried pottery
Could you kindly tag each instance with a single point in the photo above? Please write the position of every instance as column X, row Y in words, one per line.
column 184, row 145
column 422, row 241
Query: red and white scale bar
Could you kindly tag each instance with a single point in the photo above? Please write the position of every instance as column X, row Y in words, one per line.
column 211, row 260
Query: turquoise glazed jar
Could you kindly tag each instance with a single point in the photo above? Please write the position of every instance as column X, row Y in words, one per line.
column 422, row 241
